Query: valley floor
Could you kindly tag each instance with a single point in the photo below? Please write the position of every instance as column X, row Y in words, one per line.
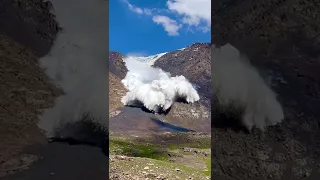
column 160, row 156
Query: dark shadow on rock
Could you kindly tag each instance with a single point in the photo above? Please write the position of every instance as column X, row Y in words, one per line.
column 181, row 100
column 170, row 127
column 74, row 141
column 138, row 104
column 226, row 118
column 84, row 132
column 105, row 148
column 224, row 121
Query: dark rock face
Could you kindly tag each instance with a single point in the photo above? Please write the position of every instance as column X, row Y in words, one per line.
column 27, row 31
column 194, row 62
column 116, row 64
column 281, row 38
column 29, row 23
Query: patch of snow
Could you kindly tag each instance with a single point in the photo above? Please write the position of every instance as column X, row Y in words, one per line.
column 150, row 60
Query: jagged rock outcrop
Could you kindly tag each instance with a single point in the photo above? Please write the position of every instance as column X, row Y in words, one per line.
column 116, row 92
column 116, row 64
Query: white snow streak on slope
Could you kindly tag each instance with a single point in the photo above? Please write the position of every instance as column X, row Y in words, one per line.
column 150, row 60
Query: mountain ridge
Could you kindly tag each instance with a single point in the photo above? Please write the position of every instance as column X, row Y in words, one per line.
column 197, row 70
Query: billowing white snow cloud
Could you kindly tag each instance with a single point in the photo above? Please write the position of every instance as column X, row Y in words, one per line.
column 154, row 88
column 238, row 84
column 77, row 63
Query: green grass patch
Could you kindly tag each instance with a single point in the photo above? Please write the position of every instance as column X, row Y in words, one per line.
column 173, row 147
column 137, row 150
column 208, row 163
column 199, row 143
column 159, row 154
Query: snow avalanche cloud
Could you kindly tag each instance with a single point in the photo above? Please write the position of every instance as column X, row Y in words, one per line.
column 238, row 84
column 155, row 88
column 77, row 64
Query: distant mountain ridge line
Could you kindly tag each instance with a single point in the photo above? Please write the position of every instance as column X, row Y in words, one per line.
column 180, row 49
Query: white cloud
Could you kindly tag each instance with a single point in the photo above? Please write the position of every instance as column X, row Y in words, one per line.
column 170, row 25
column 137, row 9
column 191, row 20
column 194, row 11
column 147, row 11
column 205, row 29
column 194, row 14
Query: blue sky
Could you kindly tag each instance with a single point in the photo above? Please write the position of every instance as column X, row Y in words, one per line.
column 146, row 27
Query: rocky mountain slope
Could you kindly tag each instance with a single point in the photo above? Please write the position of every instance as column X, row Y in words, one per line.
column 116, row 64
column 25, row 90
column 194, row 63
column 116, row 91
column 27, row 32
column 139, row 139
column 281, row 38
